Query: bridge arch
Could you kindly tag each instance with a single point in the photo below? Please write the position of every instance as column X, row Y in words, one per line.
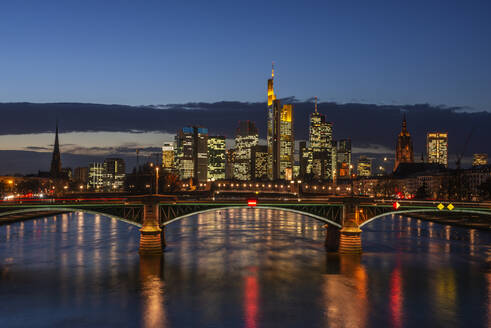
column 319, row 218
column 470, row 211
column 68, row 209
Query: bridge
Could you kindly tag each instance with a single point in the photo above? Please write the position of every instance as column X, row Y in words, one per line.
column 343, row 217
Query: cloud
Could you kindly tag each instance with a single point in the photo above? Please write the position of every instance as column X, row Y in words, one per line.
column 370, row 126
column 372, row 149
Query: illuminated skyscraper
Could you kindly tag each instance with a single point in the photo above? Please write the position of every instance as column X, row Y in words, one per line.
column 404, row 147
column 480, row 159
column 260, row 162
column 437, row 147
column 192, row 153
column 246, row 138
column 343, row 156
column 280, row 136
column 168, row 157
column 320, row 145
column 216, row 158
column 229, row 164
column 364, row 167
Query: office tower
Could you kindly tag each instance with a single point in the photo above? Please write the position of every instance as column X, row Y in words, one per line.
column 304, row 159
column 184, row 153
column 343, row 154
column 437, row 147
column 114, row 173
column 334, row 160
column 200, row 153
column 229, row 165
column 246, row 138
column 192, row 153
column 96, row 176
column 480, row 159
column 404, row 147
column 55, row 171
column 364, row 167
column 81, row 174
column 216, row 158
column 280, row 136
column 168, row 157
column 320, row 145
column 260, row 162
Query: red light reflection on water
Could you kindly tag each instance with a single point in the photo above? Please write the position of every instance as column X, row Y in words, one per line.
column 396, row 297
column 251, row 299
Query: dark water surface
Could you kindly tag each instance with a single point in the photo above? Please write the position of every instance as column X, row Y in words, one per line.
column 242, row 268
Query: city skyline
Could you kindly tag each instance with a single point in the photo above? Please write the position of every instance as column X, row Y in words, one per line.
column 125, row 143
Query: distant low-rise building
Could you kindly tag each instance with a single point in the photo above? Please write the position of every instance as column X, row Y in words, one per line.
column 364, row 167
column 480, row 159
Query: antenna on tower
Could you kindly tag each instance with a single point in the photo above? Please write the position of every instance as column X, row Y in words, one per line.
column 272, row 69
column 316, row 104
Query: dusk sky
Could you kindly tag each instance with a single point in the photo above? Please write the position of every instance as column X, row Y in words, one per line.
column 161, row 52
column 389, row 55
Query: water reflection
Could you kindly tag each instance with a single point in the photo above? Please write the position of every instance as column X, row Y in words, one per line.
column 349, row 308
column 151, row 277
column 242, row 268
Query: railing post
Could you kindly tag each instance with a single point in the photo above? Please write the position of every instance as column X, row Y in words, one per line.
column 350, row 234
column 150, row 238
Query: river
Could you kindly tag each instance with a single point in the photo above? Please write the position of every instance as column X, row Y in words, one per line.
column 242, row 268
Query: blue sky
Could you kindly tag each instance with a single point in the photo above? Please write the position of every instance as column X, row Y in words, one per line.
column 159, row 52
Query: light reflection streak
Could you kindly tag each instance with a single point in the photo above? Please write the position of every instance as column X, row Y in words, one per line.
column 350, row 307
column 396, row 297
column 154, row 313
column 251, row 298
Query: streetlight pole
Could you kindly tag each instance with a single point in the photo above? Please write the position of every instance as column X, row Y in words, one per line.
column 156, row 179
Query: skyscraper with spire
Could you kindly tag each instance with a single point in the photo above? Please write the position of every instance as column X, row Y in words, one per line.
column 404, row 147
column 320, row 145
column 55, row 171
column 280, row 136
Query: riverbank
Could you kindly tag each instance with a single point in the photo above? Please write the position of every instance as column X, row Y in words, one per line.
column 471, row 221
column 26, row 216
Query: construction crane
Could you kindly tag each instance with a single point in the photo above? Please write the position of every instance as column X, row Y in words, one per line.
column 459, row 156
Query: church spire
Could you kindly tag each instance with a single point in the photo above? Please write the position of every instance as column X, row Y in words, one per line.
column 404, row 123
column 56, row 159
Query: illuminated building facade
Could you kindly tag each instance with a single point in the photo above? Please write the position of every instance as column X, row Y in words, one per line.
column 260, row 162
column 191, row 153
column 246, row 138
column 404, row 147
column 437, row 148
column 229, row 165
column 320, row 146
column 107, row 176
column 280, row 137
column 96, row 176
column 480, row 159
column 114, row 173
column 305, row 158
column 216, row 158
column 168, row 157
column 364, row 167
column 343, row 158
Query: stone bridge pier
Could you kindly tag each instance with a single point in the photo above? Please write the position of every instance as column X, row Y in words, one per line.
column 152, row 238
column 350, row 233
column 346, row 240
